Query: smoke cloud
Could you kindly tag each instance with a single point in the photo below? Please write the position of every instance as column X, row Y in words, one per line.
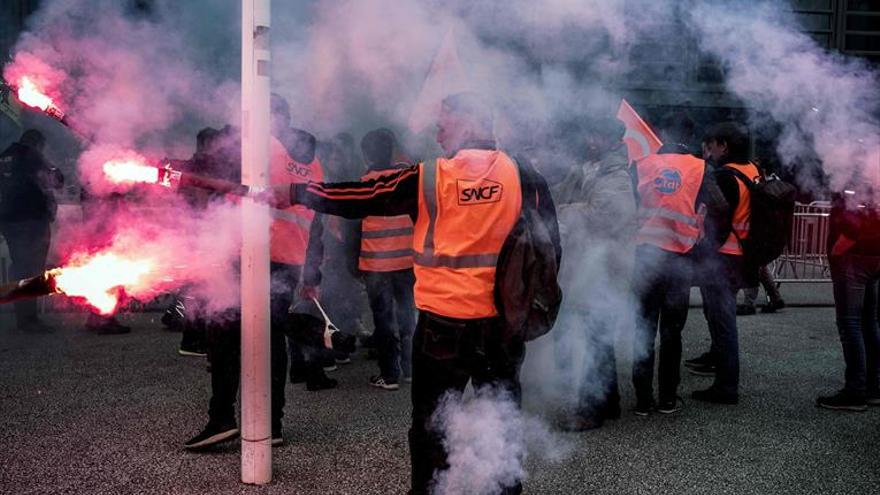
column 488, row 439
column 145, row 81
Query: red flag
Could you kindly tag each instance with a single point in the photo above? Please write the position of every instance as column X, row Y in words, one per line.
column 445, row 77
column 640, row 140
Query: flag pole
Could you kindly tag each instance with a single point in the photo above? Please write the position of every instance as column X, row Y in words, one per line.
column 256, row 431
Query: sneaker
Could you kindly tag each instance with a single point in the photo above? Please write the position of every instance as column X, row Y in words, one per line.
column 773, row 306
column 745, row 310
column 331, row 368
column 343, row 343
column 277, row 438
column 703, row 359
column 842, row 401
column 192, row 351
column 873, row 400
column 298, row 375
column 212, row 435
column 379, row 382
column 705, row 370
column 669, row 406
column 712, row 395
column 643, row 407
column 343, row 360
column 322, row 383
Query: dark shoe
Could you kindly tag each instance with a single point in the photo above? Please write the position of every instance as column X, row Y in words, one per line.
column 212, row 435
column 669, row 406
column 277, row 437
column 323, row 383
column 705, row 370
column 773, row 306
column 714, row 396
column 344, row 344
column 297, row 376
column 873, row 400
column 745, row 309
column 194, row 351
column 703, row 359
column 383, row 383
column 842, row 401
column 644, row 407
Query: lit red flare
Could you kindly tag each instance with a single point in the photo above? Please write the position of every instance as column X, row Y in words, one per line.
column 131, row 170
column 98, row 279
column 30, row 95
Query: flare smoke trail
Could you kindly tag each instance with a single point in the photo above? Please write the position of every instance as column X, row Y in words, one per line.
column 146, row 81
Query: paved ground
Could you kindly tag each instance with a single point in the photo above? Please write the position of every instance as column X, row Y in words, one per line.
column 81, row 413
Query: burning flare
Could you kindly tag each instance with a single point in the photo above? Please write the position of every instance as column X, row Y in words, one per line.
column 98, row 279
column 30, row 95
column 131, row 170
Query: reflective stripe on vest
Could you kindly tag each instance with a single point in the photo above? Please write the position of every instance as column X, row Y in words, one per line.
column 467, row 206
column 742, row 214
column 668, row 187
column 386, row 244
column 291, row 226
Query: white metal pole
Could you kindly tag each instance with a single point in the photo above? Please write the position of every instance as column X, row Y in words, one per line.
column 256, row 430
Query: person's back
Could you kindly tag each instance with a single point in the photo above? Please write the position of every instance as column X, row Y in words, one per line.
column 24, row 192
column 468, row 205
column 27, row 209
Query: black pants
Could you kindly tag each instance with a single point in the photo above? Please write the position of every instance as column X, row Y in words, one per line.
column 393, row 307
column 662, row 282
column 28, row 244
column 224, row 351
column 855, row 279
column 448, row 353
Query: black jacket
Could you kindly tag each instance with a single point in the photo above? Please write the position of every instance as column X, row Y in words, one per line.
column 26, row 183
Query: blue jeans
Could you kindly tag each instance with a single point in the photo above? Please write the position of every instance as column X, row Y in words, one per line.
column 718, row 288
column 393, row 306
column 662, row 282
column 855, row 279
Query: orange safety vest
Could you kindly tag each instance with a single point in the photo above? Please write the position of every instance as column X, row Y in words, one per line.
column 467, row 207
column 668, row 188
column 742, row 214
column 290, row 227
column 386, row 242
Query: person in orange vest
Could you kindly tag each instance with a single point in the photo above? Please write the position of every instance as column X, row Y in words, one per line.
column 386, row 263
column 722, row 272
column 674, row 194
column 291, row 231
column 463, row 206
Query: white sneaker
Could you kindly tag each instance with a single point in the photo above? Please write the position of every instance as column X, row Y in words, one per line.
column 380, row 382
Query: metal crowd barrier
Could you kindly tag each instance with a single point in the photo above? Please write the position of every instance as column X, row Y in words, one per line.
column 805, row 259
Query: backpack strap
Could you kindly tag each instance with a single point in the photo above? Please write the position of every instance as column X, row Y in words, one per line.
column 749, row 183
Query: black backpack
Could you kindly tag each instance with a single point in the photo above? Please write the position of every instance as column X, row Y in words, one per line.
column 527, row 291
column 771, row 213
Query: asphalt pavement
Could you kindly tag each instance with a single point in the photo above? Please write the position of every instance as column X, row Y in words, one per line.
column 88, row 414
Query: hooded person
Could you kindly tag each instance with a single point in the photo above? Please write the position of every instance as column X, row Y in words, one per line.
column 597, row 218
column 27, row 210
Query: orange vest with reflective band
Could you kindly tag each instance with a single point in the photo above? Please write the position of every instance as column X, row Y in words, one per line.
column 386, row 242
column 467, row 207
column 668, row 188
column 290, row 227
column 742, row 213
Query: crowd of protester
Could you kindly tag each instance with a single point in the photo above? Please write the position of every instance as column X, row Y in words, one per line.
column 634, row 235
